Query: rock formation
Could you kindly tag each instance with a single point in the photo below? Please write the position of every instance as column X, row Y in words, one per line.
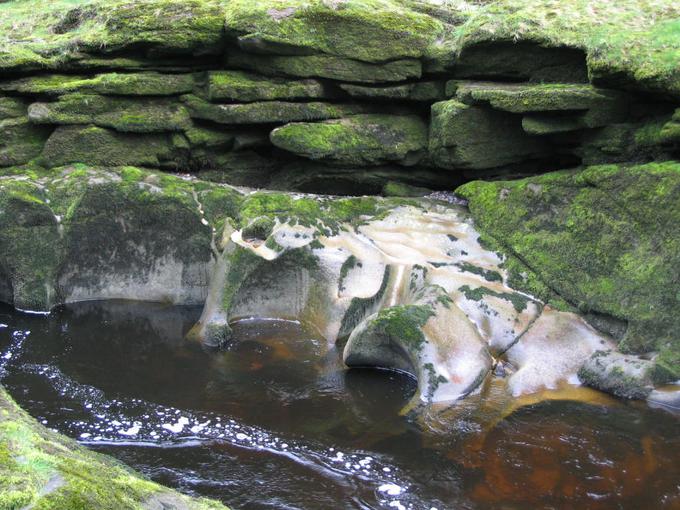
column 130, row 129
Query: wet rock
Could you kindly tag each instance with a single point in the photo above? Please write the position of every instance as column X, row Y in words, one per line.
column 356, row 140
column 622, row 375
column 551, row 351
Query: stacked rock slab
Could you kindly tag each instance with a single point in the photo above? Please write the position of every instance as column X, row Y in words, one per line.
column 321, row 85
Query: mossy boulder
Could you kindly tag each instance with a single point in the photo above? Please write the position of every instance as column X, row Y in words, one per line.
column 366, row 30
column 476, row 137
column 605, row 239
column 42, row 469
column 266, row 112
column 99, row 146
column 247, row 87
column 356, row 140
column 599, row 106
column 116, row 84
column 622, row 375
column 82, row 233
column 121, row 114
column 30, row 244
column 327, row 66
column 12, row 107
column 20, row 141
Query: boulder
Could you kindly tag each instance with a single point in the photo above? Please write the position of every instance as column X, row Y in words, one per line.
column 370, row 139
column 622, row 375
column 425, row 91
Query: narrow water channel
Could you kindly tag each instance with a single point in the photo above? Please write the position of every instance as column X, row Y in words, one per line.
column 276, row 421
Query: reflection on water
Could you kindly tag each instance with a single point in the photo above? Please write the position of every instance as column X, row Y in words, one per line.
column 277, row 422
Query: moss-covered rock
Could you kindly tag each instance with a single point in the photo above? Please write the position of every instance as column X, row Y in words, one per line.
column 117, row 84
column 600, row 107
column 327, row 66
column 426, row 91
column 98, row 146
column 622, row 375
column 20, row 141
column 356, row 140
column 366, row 30
column 121, row 114
column 605, row 239
column 476, row 137
column 42, row 469
column 12, row 107
column 266, row 112
column 248, row 87
column 82, row 233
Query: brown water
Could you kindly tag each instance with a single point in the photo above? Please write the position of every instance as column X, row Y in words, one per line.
column 276, row 421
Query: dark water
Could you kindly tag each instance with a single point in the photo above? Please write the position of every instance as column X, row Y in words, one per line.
column 277, row 422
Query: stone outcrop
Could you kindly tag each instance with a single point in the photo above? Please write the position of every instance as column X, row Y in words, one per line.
column 339, row 84
column 408, row 282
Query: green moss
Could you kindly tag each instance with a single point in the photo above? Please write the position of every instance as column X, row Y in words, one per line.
column 667, row 364
column 58, row 32
column 522, row 98
column 357, row 140
column 488, row 275
column 11, row 107
column 258, row 228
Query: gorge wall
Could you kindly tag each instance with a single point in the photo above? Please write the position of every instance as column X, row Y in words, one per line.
column 101, row 103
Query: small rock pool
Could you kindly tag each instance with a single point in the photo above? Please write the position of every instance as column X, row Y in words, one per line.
column 276, row 421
